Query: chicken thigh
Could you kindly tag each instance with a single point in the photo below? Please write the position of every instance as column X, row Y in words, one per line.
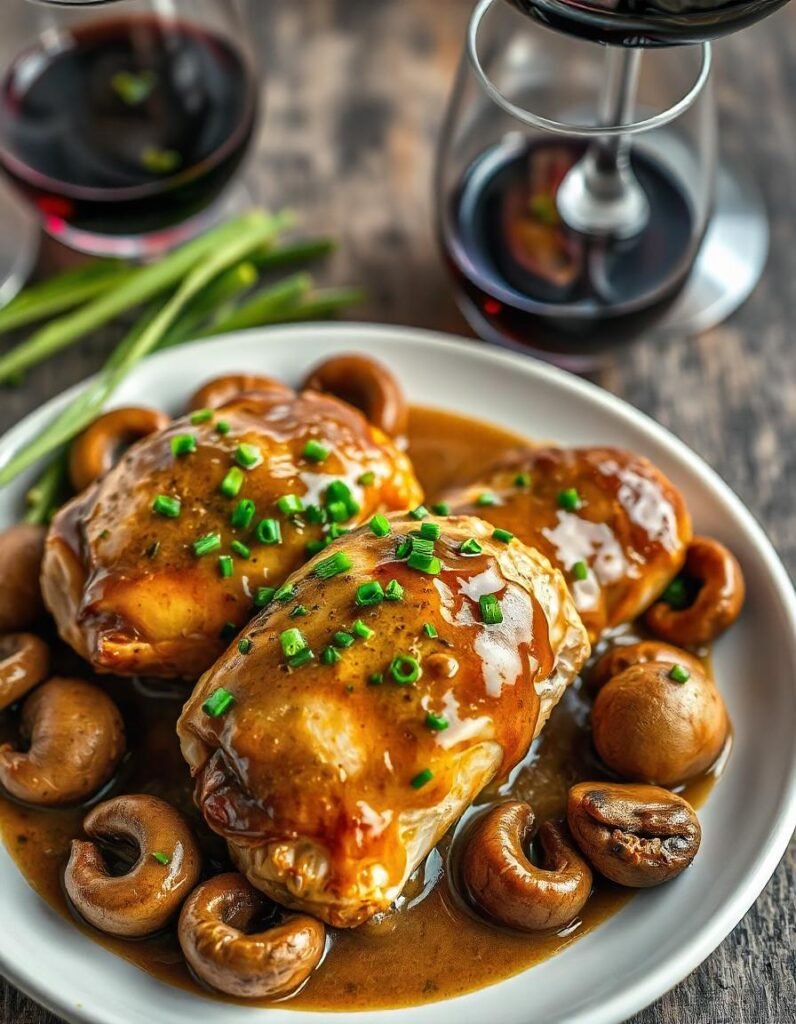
column 610, row 520
column 153, row 568
column 355, row 719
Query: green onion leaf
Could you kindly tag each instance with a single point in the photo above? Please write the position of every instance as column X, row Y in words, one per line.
column 263, row 596
column 367, row 479
column 269, row 531
column 243, row 514
column 333, row 565
column 376, row 679
column 298, row 612
column 580, row 571
column 502, row 535
column 201, row 416
column 403, row 548
column 285, row 593
column 422, row 546
column 240, row 549
column 228, row 632
column 404, row 669
column 430, row 531
column 231, row 484
column 223, row 427
column 342, row 639
column 430, row 629
column 206, row 545
column 380, row 525
column 248, row 455
column 441, row 508
column 315, row 451
column 330, row 655
column 486, row 498
column 522, row 480
column 470, row 547
column 183, row 444
column 302, row 658
column 569, row 499
column 314, row 546
column 290, row 505
column 491, row 612
column 394, row 591
column 369, row 593
column 421, row 779
column 245, row 645
column 160, row 857
column 218, row 703
column 676, row 594
column 167, row 507
column 436, row 722
column 428, row 564
column 419, row 513
column 315, row 515
column 679, row 674
column 225, row 566
column 292, row 641
column 363, row 631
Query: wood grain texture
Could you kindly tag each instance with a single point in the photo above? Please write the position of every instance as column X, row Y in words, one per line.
column 355, row 94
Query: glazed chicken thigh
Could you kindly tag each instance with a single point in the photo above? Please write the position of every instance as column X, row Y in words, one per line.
column 354, row 720
column 610, row 520
column 150, row 570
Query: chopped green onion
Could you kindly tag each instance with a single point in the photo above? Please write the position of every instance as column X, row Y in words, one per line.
column 342, row 639
column 430, row 531
column 315, row 451
column 486, row 498
column 367, row 479
column 298, row 612
column 580, row 571
column 430, row 630
column 370, row 593
column 285, row 593
column 292, row 641
column 338, row 490
column 441, row 508
column 676, row 594
column 225, row 566
column 201, row 416
column 160, row 857
column 376, row 679
column 428, row 564
column 679, row 674
column 231, row 484
column 240, row 549
column 394, row 591
column 206, row 545
column 228, row 631
column 404, row 669
column 502, row 535
column 245, row 645
column 315, row 514
column 305, row 655
column 183, row 444
column 422, row 546
column 263, row 596
column 363, row 631
column 223, row 427
column 380, row 525
column 269, row 531
column 404, row 547
column 330, row 655
column 569, row 499
column 243, row 514
column 470, row 547
column 522, row 480
column 333, row 565
column 152, row 550
column 419, row 513
column 314, row 546
column 248, row 455
column 218, row 703
column 290, row 505
column 491, row 612
column 337, row 511
column 436, row 722
column 167, row 507
column 421, row 779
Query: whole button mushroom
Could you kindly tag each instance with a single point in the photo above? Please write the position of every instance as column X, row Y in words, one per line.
column 659, row 723
column 638, row 836
column 367, row 385
column 622, row 656
column 168, row 866
column 221, row 390
column 96, row 450
column 501, row 879
column 24, row 663
column 21, row 553
column 213, row 933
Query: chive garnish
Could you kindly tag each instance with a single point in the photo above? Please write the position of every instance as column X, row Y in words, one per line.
column 569, row 499
column 314, row 514
column 167, row 507
column 225, row 566
column 285, row 593
column 269, row 531
column 679, row 674
column 218, row 703
column 292, row 641
column 676, row 594
column 580, row 570
column 441, row 508
column 263, row 596
column 333, row 566
column 223, row 427
column 183, row 444
column 248, row 455
column 470, row 547
column 206, row 545
column 430, row 531
column 422, row 546
column 502, row 535
column 305, row 655
column 430, row 630
column 245, row 645
column 380, row 525
column 330, row 655
column 239, row 548
column 243, row 514
column 298, row 612
column 421, row 779
column 314, row 546
column 290, row 505
column 404, row 669
column 370, row 593
column 337, row 512
column 361, row 630
column 428, row 564
column 315, row 451
column 231, row 484
column 491, row 612
column 228, row 632
column 376, row 679
column 486, row 498
column 436, row 722
column 338, row 490
column 201, row 416
column 342, row 639
column 403, row 547
column 367, row 479
column 160, row 857
column 421, row 512
column 522, row 480
column 394, row 591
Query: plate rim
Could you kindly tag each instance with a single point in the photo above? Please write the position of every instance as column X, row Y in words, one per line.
column 638, row 993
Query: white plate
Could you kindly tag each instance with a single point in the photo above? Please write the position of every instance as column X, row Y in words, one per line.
column 662, row 934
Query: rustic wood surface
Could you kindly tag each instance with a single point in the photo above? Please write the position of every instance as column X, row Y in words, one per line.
column 355, row 94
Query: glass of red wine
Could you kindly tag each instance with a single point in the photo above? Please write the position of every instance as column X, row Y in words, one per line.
column 539, row 123
column 123, row 123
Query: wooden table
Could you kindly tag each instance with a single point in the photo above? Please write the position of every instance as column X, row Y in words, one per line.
column 355, row 96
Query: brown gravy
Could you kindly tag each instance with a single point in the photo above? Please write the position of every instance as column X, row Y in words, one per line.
column 432, row 947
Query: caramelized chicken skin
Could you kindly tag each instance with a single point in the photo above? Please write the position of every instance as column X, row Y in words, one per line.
column 610, row 520
column 332, row 774
column 121, row 575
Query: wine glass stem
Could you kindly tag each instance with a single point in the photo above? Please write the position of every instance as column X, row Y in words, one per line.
column 601, row 194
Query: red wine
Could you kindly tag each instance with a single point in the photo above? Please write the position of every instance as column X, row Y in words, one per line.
column 648, row 22
column 532, row 282
column 127, row 127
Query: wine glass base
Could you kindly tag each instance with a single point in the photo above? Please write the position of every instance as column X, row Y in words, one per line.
column 19, row 244
column 233, row 200
column 730, row 261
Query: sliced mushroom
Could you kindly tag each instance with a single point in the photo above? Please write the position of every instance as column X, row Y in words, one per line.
column 222, row 390
column 637, row 836
column 622, row 656
column 21, row 553
column 24, row 663
column 501, row 879
column 273, row 962
column 708, row 600
column 145, row 898
column 659, row 723
column 76, row 741
column 367, row 385
column 97, row 449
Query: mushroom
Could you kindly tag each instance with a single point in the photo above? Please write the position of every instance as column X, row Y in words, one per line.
column 659, row 723
column 76, row 741
column 704, row 601
column 145, row 898
column 368, row 386
column 617, row 659
column 213, row 935
column 222, row 390
column 500, row 878
column 95, row 451
column 24, row 663
column 21, row 553
column 637, row 836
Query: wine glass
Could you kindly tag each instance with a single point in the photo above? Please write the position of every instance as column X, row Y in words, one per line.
column 122, row 123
